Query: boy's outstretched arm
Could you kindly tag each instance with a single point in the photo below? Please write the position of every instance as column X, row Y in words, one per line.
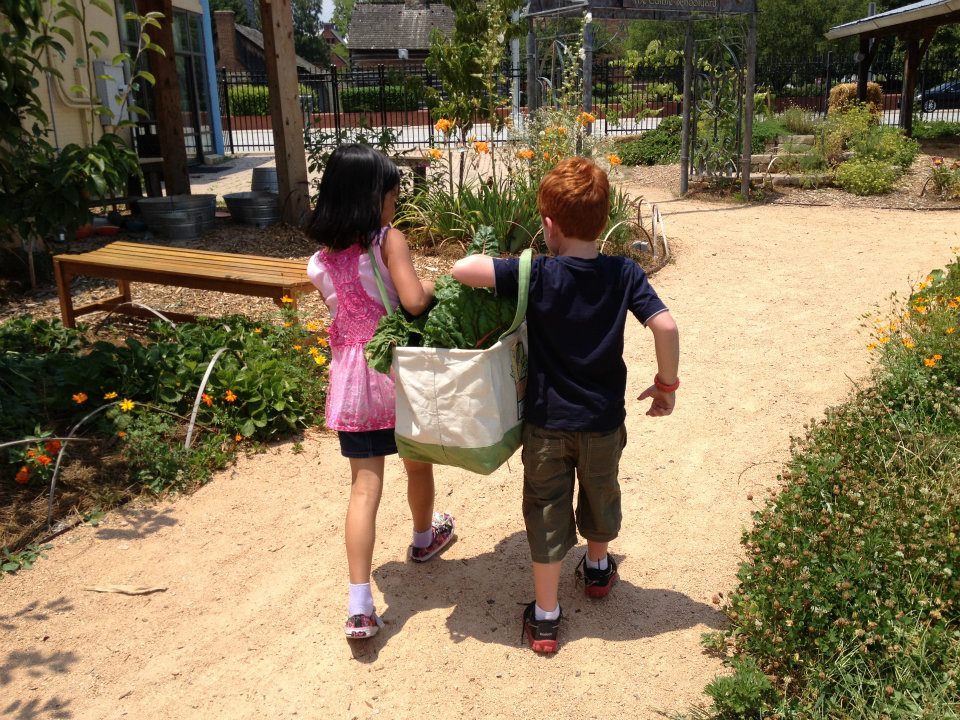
column 475, row 271
column 666, row 343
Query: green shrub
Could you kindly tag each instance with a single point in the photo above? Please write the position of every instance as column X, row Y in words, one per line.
column 924, row 130
column 849, row 598
column 249, row 99
column 766, row 132
column 744, row 694
column 886, row 144
column 369, row 99
column 866, row 177
column 799, row 121
column 841, row 129
column 658, row 146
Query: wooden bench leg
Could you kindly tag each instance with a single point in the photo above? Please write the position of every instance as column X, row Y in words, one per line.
column 63, row 290
column 124, row 287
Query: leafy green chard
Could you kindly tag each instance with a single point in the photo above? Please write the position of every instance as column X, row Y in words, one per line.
column 460, row 317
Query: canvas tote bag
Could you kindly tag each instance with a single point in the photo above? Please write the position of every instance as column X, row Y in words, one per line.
column 464, row 407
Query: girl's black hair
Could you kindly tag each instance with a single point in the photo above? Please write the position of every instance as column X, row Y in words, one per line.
column 350, row 204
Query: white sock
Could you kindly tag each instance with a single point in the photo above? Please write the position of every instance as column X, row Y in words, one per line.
column 361, row 600
column 600, row 564
column 423, row 539
column 540, row 614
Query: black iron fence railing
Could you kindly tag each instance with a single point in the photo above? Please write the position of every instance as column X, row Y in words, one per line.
column 337, row 105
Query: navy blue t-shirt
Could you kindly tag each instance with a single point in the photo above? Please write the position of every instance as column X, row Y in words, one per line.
column 576, row 314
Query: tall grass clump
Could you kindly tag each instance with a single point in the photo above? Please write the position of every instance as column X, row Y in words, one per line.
column 849, row 600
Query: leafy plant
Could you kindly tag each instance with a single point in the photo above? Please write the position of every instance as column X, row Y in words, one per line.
column 885, row 144
column 23, row 559
column 866, row 177
column 742, row 695
column 799, row 121
column 654, row 147
column 944, row 176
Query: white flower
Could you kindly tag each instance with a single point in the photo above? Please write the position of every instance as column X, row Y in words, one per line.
column 500, row 38
column 588, row 18
column 582, row 54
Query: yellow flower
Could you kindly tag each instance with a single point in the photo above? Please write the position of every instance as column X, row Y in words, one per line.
column 585, row 118
column 80, row 398
column 613, row 159
column 286, row 299
column 481, row 147
column 287, row 324
column 126, row 405
column 435, row 153
column 930, row 362
column 298, row 347
column 109, row 396
column 908, row 343
column 313, row 351
column 319, row 359
column 951, row 330
column 883, row 339
column 872, row 346
column 313, row 326
column 443, row 126
column 257, row 330
column 525, row 154
column 920, row 309
column 322, row 342
column 953, row 305
column 938, row 357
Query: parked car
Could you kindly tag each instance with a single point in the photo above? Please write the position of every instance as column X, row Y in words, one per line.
column 944, row 95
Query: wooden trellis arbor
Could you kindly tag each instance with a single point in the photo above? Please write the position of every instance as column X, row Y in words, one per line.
column 687, row 11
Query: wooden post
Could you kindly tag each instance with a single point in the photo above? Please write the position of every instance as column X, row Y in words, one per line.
column 166, row 93
column 533, row 99
column 287, row 117
column 687, row 102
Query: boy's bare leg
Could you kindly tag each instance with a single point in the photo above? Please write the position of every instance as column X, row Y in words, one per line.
column 596, row 551
column 546, row 585
column 366, row 487
column 420, row 493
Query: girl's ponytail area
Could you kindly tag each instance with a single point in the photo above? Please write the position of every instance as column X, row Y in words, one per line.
column 351, row 222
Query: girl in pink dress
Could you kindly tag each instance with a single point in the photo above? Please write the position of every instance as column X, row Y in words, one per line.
column 357, row 202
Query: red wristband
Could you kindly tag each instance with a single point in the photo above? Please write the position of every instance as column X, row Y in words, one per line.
column 663, row 387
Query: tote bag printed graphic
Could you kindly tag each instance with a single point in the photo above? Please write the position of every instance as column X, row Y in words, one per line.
column 465, row 407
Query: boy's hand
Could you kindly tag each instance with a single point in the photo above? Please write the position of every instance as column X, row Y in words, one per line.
column 662, row 404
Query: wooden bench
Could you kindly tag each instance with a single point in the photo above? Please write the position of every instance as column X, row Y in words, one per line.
column 128, row 262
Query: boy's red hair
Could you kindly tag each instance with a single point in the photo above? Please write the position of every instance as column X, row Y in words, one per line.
column 576, row 196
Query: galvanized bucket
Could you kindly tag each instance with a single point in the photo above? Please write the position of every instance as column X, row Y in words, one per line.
column 264, row 179
column 171, row 216
column 254, row 208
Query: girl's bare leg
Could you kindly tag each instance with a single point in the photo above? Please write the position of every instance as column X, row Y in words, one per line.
column 420, row 493
column 366, row 487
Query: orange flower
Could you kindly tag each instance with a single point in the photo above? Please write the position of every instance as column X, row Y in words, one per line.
column 614, row 159
column 938, row 357
column 561, row 130
column 481, row 147
column 313, row 326
column 286, row 300
column 951, row 330
column 930, row 362
column 546, row 156
column 908, row 343
column 258, row 330
column 109, row 396
column 298, row 347
column 238, row 437
column 206, row 400
column 121, row 434
column 44, row 460
column 230, row 397
column 586, row 118
column 525, row 154
column 313, row 351
column 80, row 398
column 435, row 153
column 23, row 475
column 52, row 446
column 288, row 324
column 937, row 160
column 443, row 126
column 322, row 342
column 32, row 453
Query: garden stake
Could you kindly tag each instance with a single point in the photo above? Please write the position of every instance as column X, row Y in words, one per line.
column 135, row 304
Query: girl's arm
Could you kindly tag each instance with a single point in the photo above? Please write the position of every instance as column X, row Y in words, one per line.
column 415, row 294
column 475, row 271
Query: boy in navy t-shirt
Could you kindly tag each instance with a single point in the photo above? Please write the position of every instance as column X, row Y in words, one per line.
column 576, row 383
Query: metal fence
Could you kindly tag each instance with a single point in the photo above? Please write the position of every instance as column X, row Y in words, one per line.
column 337, row 105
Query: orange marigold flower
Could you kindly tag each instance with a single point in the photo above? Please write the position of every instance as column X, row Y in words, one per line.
column 953, row 305
column 121, row 434
column 951, row 330
column 109, row 396
column 44, row 460
column 443, row 126
column 23, row 475
column 238, row 437
column 298, row 347
column 561, row 130
column 614, row 159
column 286, row 300
column 586, row 118
column 206, row 399
column 322, row 342
column 258, row 330
column 32, row 453
column 52, row 446
column 126, row 405
column 435, row 153
column 930, row 362
column 80, row 398
column 525, row 154
column 937, row 356
column 230, row 396
column 908, row 343
column 481, row 147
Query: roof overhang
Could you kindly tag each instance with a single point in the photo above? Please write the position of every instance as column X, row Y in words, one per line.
column 641, row 9
column 900, row 20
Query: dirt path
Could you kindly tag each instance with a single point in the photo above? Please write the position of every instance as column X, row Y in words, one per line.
column 769, row 302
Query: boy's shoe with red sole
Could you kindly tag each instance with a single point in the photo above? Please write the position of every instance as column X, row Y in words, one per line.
column 362, row 626
column 543, row 635
column 597, row 583
column 443, row 528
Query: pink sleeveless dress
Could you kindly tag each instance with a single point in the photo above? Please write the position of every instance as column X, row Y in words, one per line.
column 358, row 398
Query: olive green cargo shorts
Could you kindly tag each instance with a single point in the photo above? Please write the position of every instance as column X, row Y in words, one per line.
column 551, row 460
